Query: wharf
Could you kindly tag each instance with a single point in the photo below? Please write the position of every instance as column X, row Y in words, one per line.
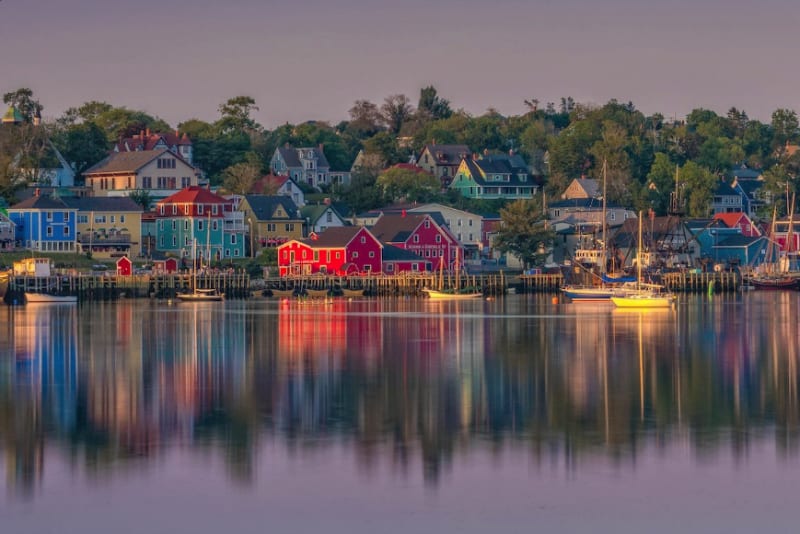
column 112, row 287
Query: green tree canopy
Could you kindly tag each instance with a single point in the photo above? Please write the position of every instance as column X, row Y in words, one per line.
column 523, row 233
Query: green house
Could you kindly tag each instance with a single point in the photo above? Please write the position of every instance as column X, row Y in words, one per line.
column 495, row 176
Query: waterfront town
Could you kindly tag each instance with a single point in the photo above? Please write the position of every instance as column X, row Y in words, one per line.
column 427, row 190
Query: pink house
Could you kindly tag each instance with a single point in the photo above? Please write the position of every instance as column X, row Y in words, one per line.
column 337, row 250
column 421, row 234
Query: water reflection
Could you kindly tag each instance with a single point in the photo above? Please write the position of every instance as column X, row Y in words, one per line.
column 401, row 383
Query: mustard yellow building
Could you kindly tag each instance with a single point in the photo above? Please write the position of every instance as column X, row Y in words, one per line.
column 108, row 227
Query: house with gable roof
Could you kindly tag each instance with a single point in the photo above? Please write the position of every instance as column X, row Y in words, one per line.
column 741, row 221
column 178, row 144
column 44, row 223
column 495, row 176
column 196, row 219
column 272, row 220
column 424, row 234
column 342, row 250
column 160, row 173
column 749, row 184
column 465, row 226
column 442, row 161
column 306, row 165
column 272, row 184
column 583, row 188
column 726, row 199
column 7, row 232
column 320, row 217
column 108, row 227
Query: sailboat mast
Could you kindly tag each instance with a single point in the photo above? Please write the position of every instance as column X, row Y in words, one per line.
column 639, row 255
column 603, row 234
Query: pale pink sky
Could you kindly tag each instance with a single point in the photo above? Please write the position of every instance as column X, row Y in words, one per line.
column 310, row 59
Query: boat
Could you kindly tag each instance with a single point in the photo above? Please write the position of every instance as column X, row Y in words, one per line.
column 441, row 295
column 283, row 293
column 316, row 293
column 643, row 295
column 352, row 293
column 774, row 283
column 46, row 298
column 777, row 275
column 196, row 294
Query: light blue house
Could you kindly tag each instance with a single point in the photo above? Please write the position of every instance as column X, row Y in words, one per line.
column 44, row 223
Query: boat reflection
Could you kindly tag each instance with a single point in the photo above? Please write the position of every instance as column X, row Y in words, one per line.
column 405, row 384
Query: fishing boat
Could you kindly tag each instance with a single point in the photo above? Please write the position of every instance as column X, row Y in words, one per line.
column 196, row 294
column 352, row 293
column 643, row 295
column 780, row 274
column 46, row 298
column 282, row 293
column 316, row 293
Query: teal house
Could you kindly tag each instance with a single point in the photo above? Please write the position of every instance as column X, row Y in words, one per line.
column 495, row 176
column 197, row 222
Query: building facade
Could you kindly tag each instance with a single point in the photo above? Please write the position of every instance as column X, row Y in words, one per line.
column 158, row 173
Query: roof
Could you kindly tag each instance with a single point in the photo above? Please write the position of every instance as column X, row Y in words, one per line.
column 12, row 115
column 749, row 186
column 448, row 154
column 147, row 141
column 195, row 195
column 590, row 185
column 127, row 161
column 656, row 229
column 314, row 212
column 291, row 155
column 738, row 241
column 393, row 228
column 492, row 165
column 264, row 206
column 392, row 253
column 270, row 181
column 335, row 237
column 584, row 203
column 41, row 202
column 730, row 219
column 102, row 204
column 744, row 173
column 725, row 189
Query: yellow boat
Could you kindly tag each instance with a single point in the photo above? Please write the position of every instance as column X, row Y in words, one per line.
column 644, row 299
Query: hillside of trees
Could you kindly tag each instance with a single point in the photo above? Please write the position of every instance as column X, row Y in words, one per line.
column 562, row 141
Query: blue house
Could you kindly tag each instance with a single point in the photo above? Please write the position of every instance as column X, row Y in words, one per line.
column 44, row 223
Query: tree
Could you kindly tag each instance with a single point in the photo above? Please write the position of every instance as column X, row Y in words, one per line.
column 22, row 99
column 523, row 233
column 362, row 193
column 82, row 145
column 410, row 185
column 142, row 197
column 431, row 106
column 385, row 145
column 395, row 111
column 365, row 119
column 784, row 129
column 236, row 114
column 661, row 182
column 699, row 184
column 240, row 177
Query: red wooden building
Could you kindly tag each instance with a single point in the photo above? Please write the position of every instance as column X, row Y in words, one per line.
column 422, row 234
column 124, row 266
column 338, row 250
column 741, row 221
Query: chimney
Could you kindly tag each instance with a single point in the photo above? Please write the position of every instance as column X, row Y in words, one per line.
column 511, row 152
column 36, row 192
column 474, row 156
column 177, row 134
column 327, row 201
column 147, row 131
column 321, row 147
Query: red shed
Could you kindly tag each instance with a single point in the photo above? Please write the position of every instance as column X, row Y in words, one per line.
column 169, row 266
column 124, row 266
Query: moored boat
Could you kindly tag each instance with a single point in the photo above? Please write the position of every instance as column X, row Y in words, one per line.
column 441, row 295
column 46, row 298
column 201, row 295
column 775, row 282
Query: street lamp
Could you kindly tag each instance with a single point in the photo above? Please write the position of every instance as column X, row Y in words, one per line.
column 252, row 250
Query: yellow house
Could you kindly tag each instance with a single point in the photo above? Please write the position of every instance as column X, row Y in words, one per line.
column 158, row 172
column 108, row 227
column 271, row 220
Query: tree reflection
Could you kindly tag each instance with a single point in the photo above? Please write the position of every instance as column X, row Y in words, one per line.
column 402, row 383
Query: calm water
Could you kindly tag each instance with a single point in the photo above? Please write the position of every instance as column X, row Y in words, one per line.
column 511, row 415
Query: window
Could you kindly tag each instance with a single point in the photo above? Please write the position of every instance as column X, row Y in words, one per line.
column 612, row 216
column 199, row 209
column 371, row 253
column 329, row 217
column 174, row 241
column 174, row 209
column 186, row 224
column 213, row 209
column 363, row 239
column 214, row 225
column 99, row 219
column 200, row 225
column 316, row 255
column 66, row 231
column 147, row 182
column 355, row 255
column 66, row 216
column 338, row 255
column 389, row 267
column 186, row 240
column 470, row 222
column 438, row 238
column 233, row 239
column 416, row 239
column 415, row 267
column 113, row 219
column 161, row 209
column 122, row 218
column 187, row 209
column 166, row 163
column 427, row 224
column 83, row 219
column 186, row 182
column 174, row 224
column 49, row 215
column 161, row 242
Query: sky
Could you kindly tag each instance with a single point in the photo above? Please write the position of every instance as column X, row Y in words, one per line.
column 311, row 59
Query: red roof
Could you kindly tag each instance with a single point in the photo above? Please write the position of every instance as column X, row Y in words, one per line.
column 195, row 195
column 268, row 182
column 730, row 219
column 147, row 141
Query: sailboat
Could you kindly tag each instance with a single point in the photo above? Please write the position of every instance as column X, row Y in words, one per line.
column 580, row 293
column 644, row 295
column 196, row 294
column 773, row 276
